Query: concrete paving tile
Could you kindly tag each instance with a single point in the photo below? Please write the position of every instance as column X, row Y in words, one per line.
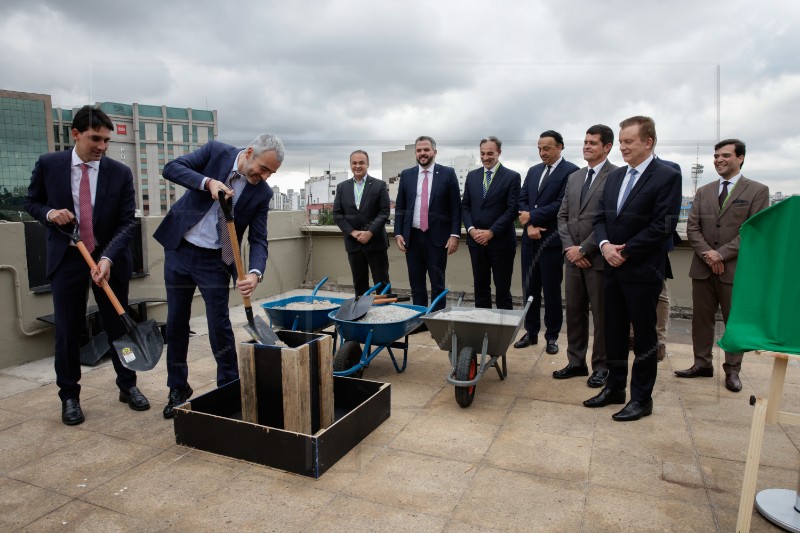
column 10, row 418
column 34, row 439
column 431, row 374
column 21, row 503
column 724, row 480
column 149, row 428
column 355, row 515
column 727, row 518
column 514, row 383
column 166, row 485
column 417, row 483
column 41, row 371
column 731, row 442
column 544, row 454
column 486, row 408
column 84, row 465
column 513, row 501
column 11, row 385
column 389, row 429
column 447, row 437
column 454, row 526
column 102, row 377
column 660, row 474
column 282, row 505
column 662, row 432
column 43, row 401
column 81, row 516
column 348, row 468
column 412, row 395
column 616, row 510
column 723, row 410
column 563, row 391
column 550, row 417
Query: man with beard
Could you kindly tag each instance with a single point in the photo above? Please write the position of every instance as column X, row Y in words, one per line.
column 427, row 221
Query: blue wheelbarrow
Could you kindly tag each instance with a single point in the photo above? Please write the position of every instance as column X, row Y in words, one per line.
column 466, row 338
column 351, row 359
column 307, row 320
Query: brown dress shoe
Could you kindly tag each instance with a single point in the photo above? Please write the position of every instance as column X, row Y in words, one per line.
column 732, row 382
column 696, row 372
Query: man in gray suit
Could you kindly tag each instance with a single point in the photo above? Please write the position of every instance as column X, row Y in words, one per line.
column 718, row 211
column 583, row 278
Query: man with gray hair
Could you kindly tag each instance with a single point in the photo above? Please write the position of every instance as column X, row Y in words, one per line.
column 198, row 252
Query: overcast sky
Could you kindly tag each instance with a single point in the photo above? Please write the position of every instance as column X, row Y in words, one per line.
column 330, row 77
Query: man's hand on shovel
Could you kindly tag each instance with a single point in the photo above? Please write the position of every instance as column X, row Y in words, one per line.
column 248, row 284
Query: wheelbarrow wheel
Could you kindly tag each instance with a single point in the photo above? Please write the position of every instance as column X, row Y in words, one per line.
column 466, row 370
column 346, row 357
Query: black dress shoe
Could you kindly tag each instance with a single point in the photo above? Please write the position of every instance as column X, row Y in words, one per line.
column 696, row 372
column 175, row 398
column 634, row 410
column 571, row 371
column 526, row 341
column 606, row 397
column 732, row 382
column 597, row 379
column 552, row 348
column 71, row 412
column 134, row 398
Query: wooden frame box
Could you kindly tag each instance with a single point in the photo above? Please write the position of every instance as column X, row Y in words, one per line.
column 212, row 422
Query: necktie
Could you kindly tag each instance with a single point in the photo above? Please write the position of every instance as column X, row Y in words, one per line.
column 222, row 227
column 724, row 194
column 628, row 188
column 487, row 181
column 423, row 208
column 85, row 227
column 544, row 178
column 587, row 184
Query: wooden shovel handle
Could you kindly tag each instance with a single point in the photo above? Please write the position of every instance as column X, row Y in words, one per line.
column 237, row 257
column 111, row 296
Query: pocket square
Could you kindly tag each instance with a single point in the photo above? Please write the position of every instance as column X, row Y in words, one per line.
column 739, row 201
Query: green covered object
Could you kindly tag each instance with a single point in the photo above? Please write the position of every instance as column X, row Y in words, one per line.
column 765, row 310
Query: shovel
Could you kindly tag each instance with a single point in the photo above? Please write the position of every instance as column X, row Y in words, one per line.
column 140, row 348
column 256, row 327
column 355, row 308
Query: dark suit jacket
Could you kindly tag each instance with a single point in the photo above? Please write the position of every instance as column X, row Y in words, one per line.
column 215, row 160
column 444, row 204
column 708, row 228
column 576, row 218
column 497, row 211
column 543, row 206
column 112, row 215
column 645, row 222
column 372, row 215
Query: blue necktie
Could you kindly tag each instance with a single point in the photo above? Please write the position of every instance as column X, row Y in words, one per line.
column 487, row 180
column 628, row 188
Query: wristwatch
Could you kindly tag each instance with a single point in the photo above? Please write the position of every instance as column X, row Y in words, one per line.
column 581, row 250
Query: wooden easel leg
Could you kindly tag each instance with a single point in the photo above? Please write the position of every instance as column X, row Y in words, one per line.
column 751, row 466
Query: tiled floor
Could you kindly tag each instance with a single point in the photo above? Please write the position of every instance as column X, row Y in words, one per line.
column 526, row 456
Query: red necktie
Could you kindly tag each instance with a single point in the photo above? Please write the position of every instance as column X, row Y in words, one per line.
column 85, row 227
column 423, row 208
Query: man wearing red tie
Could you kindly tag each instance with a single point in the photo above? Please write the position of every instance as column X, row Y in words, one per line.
column 427, row 220
column 82, row 187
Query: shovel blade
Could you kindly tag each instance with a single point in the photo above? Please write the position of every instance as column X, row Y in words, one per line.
column 264, row 333
column 354, row 309
column 140, row 349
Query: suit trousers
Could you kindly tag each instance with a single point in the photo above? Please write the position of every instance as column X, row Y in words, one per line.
column 186, row 268
column 492, row 263
column 584, row 289
column 708, row 295
column 542, row 273
column 363, row 262
column 423, row 257
column 70, row 286
column 631, row 303
column 663, row 315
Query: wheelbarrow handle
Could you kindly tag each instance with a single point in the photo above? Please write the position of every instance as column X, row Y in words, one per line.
column 527, row 305
column 372, row 289
column 436, row 301
column 386, row 289
column 320, row 284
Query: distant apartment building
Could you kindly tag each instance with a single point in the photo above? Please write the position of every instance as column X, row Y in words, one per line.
column 320, row 192
column 462, row 165
column 26, row 132
column 145, row 138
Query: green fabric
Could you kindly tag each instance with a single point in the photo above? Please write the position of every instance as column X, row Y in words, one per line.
column 765, row 310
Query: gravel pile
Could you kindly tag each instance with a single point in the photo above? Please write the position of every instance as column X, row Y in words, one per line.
column 308, row 306
column 382, row 314
column 484, row 316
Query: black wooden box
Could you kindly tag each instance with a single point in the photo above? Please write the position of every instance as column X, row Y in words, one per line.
column 212, row 422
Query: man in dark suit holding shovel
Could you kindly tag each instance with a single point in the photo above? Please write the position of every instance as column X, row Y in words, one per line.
column 198, row 251
column 81, row 187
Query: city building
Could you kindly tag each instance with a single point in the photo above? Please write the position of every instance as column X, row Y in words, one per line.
column 26, row 132
column 462, row 165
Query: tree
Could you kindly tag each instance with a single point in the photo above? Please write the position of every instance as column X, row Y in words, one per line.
column 325, row 217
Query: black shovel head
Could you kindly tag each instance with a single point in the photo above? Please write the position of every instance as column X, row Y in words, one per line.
column 355, row 308
column 140, row 348
column 261, row 332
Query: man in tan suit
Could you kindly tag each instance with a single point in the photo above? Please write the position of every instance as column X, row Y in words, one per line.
column 718, row 211
column 584, row 273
